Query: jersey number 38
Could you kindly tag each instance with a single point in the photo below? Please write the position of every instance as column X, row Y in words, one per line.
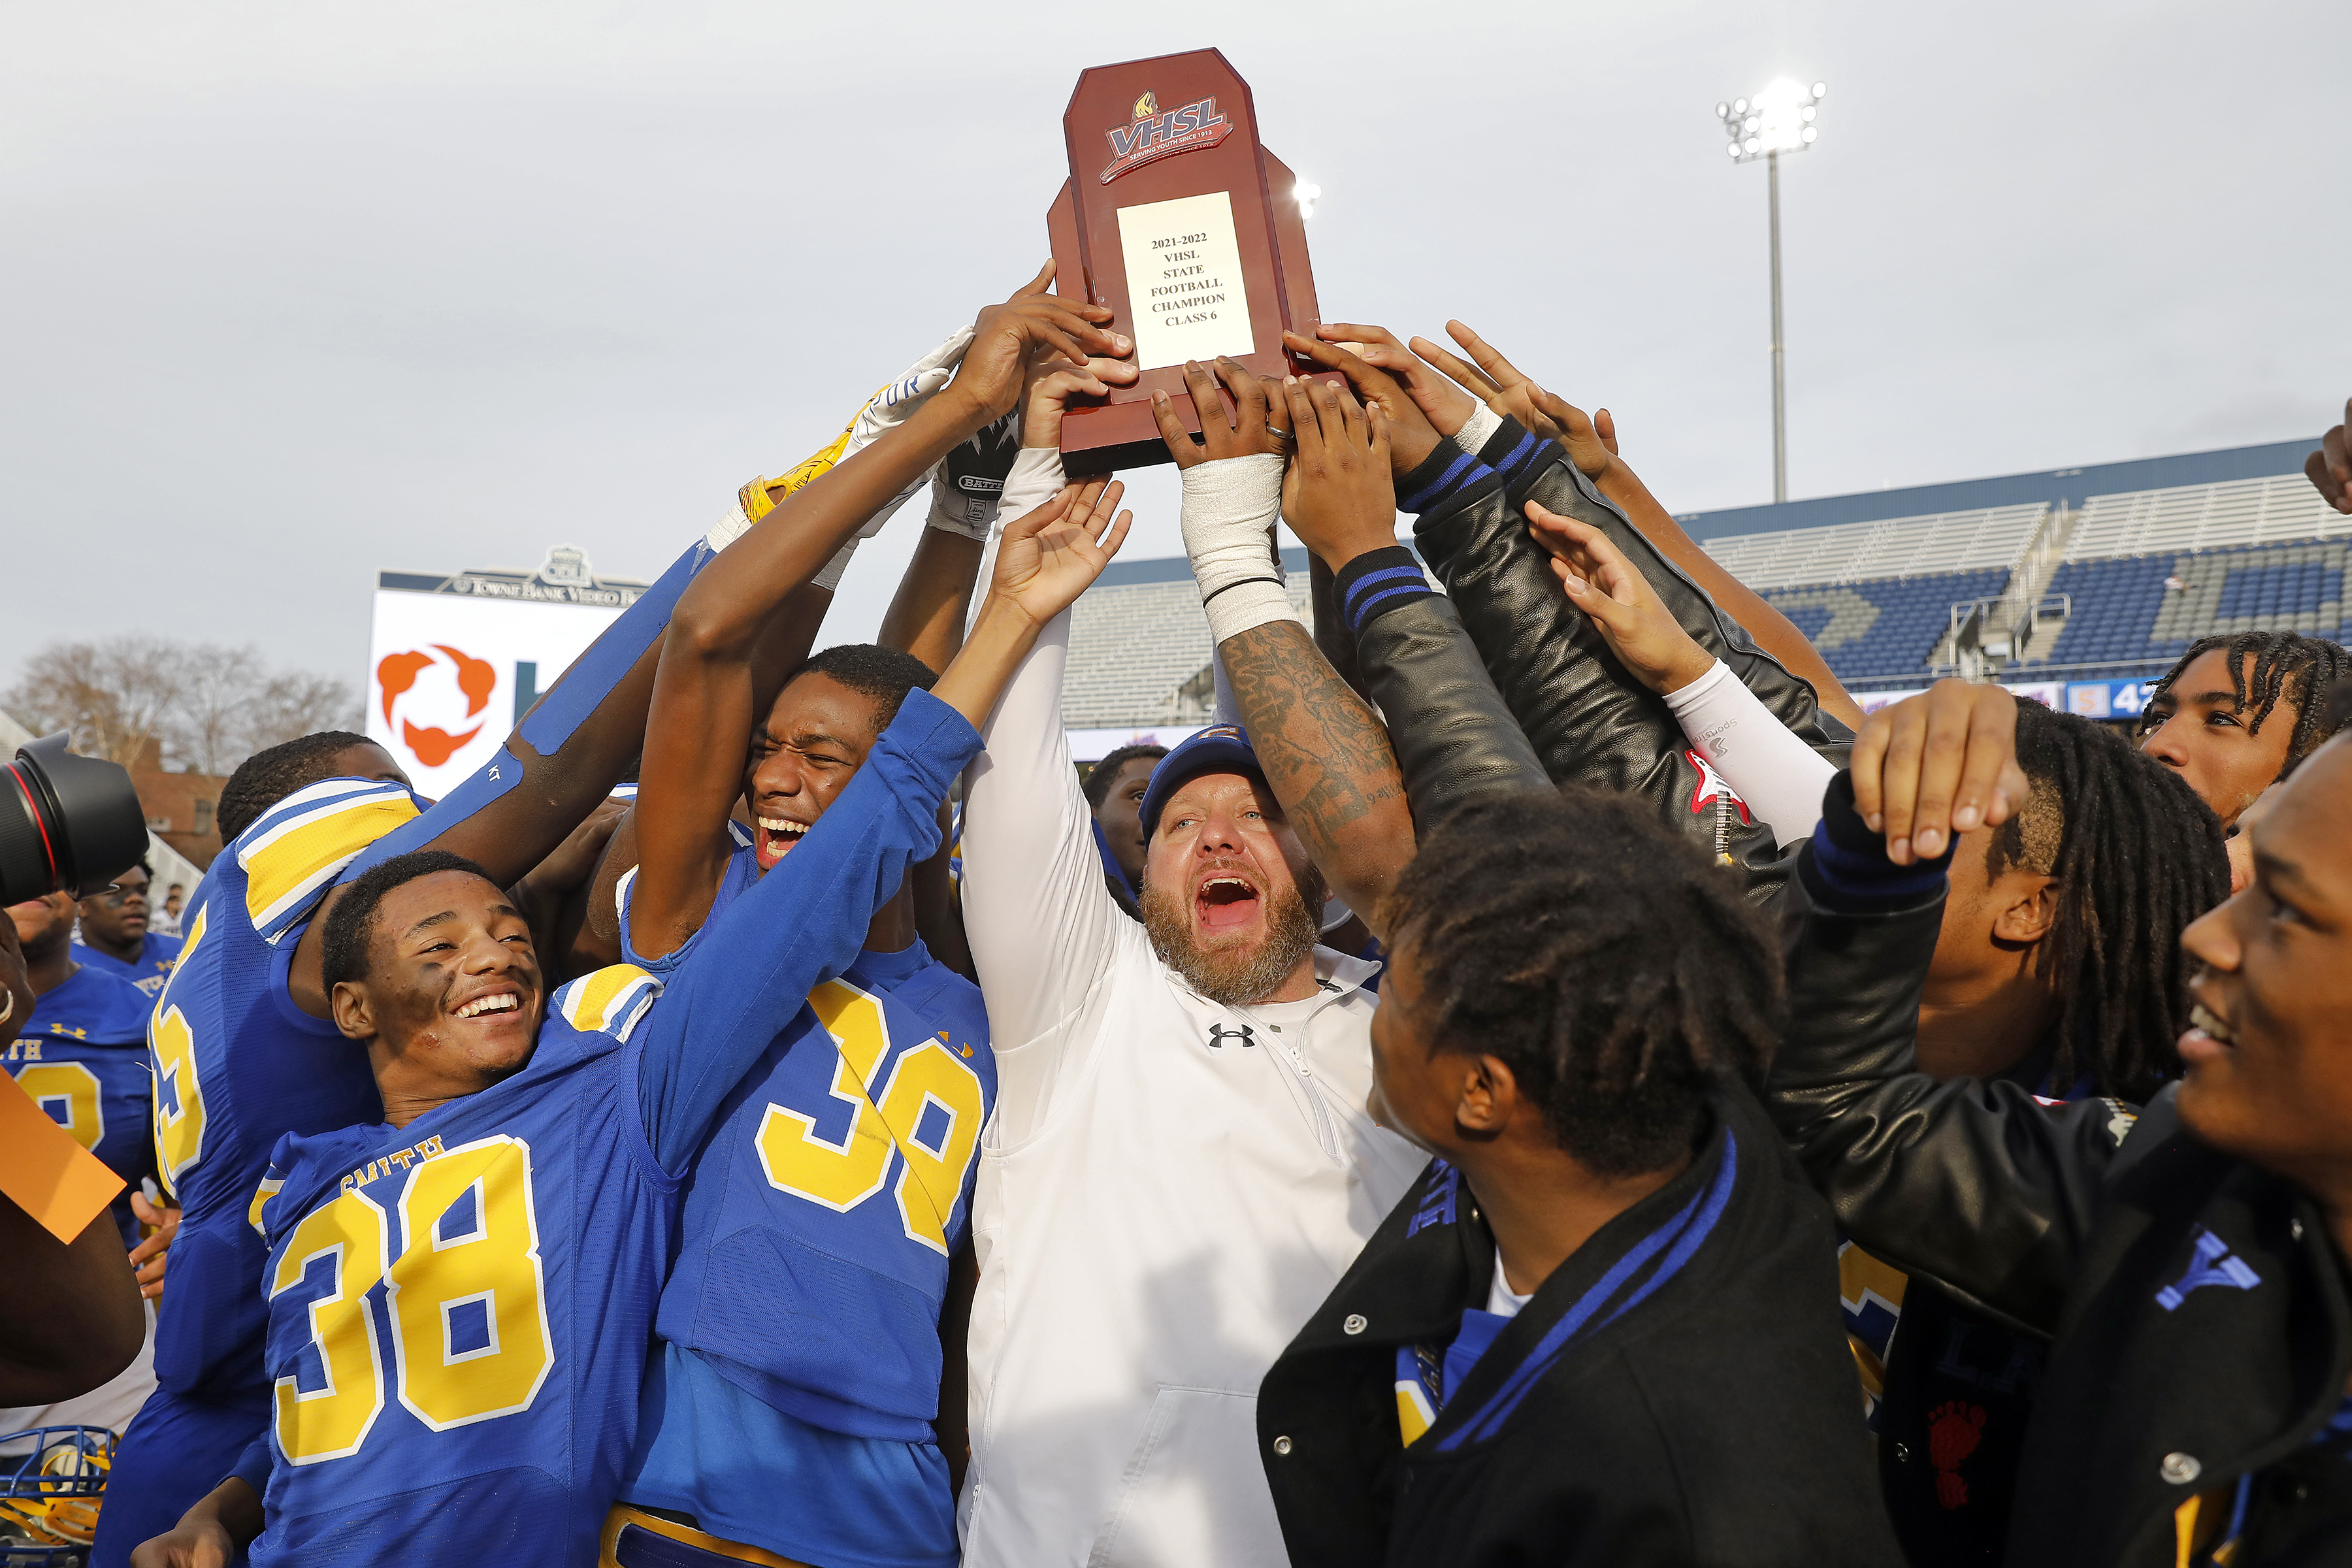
column 463, row 1303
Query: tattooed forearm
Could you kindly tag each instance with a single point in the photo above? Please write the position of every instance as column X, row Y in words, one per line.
column 1326, row 755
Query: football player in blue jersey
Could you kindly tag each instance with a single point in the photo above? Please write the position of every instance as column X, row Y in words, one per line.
column 82, row 1055
column 816, row 1245
column 307, row 819
column 459, row 1295
column 115, row 934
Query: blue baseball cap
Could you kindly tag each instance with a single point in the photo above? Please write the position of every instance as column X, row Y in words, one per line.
column 1219, row 749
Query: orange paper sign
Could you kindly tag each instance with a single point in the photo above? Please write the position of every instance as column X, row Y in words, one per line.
column 43, row 1172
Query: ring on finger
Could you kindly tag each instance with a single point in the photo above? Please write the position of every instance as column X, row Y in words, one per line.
column 1278, row 433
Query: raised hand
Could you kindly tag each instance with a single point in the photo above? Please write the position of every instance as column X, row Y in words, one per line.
column 1007, row 337
column 1447, row 406
column 1615, row 597
column 1050, row 556
column 1054, row 380
column 1505, row 388
column 1942, row 762
column 1411, row 434
column 2330, row 468
column 1339, row 494
column 1246, row 431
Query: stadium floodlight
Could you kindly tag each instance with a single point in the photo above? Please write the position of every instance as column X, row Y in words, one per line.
column 1779, row 118
column 1309, row 194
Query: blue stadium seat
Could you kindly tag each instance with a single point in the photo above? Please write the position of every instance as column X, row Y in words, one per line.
column 2123, row 613
column 1887, row 627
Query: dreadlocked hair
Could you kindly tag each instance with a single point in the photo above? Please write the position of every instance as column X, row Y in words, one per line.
column 1612, row 968
column 2136, row 856
column 2284, row 667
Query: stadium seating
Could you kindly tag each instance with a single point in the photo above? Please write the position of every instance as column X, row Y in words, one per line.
column 1885, row 629
column 2126, row 613
column 1134, row 646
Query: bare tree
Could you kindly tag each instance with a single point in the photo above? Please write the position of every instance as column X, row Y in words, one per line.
column 205, row 709
column 290, row 706
column 205, row 733
column 114, row 696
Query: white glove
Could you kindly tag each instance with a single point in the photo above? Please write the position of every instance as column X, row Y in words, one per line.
column 897, row 402
column 1229, row 504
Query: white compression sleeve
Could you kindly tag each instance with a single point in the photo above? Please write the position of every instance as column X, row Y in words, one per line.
column 1229, row 504
column 1477, row 430
column 1779, row 776
column 1036, row 478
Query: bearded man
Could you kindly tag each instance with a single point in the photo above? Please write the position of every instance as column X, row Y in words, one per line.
column 1180, row 1165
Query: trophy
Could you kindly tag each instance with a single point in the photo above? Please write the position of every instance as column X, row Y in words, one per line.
column 1178, row 220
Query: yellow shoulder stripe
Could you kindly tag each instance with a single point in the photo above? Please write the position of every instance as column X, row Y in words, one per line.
column 283, row 869
column 596, row 1002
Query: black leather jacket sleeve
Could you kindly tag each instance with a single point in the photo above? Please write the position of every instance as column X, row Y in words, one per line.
column 1977, row 1185
column 1587, row 720
column 1454, row 738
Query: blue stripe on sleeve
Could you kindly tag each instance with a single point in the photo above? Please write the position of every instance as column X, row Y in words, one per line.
column 1409, row 575
column 1362, row 613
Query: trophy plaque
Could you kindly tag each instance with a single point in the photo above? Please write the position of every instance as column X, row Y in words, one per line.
column 1190, row 231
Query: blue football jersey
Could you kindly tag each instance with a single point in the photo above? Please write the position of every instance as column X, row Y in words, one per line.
column 237, row 1064
column 83, row 1058
column 157, row 955
column 458, row 1310
column 813, row 1251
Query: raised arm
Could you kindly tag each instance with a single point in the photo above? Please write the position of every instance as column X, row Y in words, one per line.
column 706, row 686
column 1324, row 752
column 1587, row 720
column 1591, row 445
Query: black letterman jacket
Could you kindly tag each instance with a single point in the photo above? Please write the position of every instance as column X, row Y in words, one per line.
column 1676, row 1393
column 2200, row 1309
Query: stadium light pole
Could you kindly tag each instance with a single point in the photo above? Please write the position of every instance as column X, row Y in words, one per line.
column 1777, row 120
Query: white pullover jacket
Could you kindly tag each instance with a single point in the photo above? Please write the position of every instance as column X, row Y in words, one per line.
column 1169, row 1188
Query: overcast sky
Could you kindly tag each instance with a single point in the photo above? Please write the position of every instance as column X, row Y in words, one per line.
column 293, row 293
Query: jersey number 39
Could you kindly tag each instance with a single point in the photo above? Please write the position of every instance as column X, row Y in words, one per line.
column 463, row 1303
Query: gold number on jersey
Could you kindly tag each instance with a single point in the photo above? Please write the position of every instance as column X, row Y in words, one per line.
column 73, row 1087
column 179, row 1108
column 838, row 1175
column 345, row 1242
column 842, row 1176
column 467, row 1293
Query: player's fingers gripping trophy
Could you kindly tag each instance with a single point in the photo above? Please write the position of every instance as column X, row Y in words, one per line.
column 1007, row 337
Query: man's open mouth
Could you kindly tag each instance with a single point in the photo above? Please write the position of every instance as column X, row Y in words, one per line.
column 2203, row 1017
column 1224, row 903
column 778, row 834
column 497, row 1002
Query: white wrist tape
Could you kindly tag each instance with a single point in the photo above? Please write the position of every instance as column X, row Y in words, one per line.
column 1779, row 776
column 828, row 576
column 1477, row 430
column 1229, row 504
column 728, row 528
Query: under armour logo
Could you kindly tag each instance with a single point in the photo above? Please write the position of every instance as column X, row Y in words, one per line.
column 1220, row 1033
column 2213, row 1265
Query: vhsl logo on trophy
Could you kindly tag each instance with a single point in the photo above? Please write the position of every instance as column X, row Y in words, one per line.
column 1152, row 135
